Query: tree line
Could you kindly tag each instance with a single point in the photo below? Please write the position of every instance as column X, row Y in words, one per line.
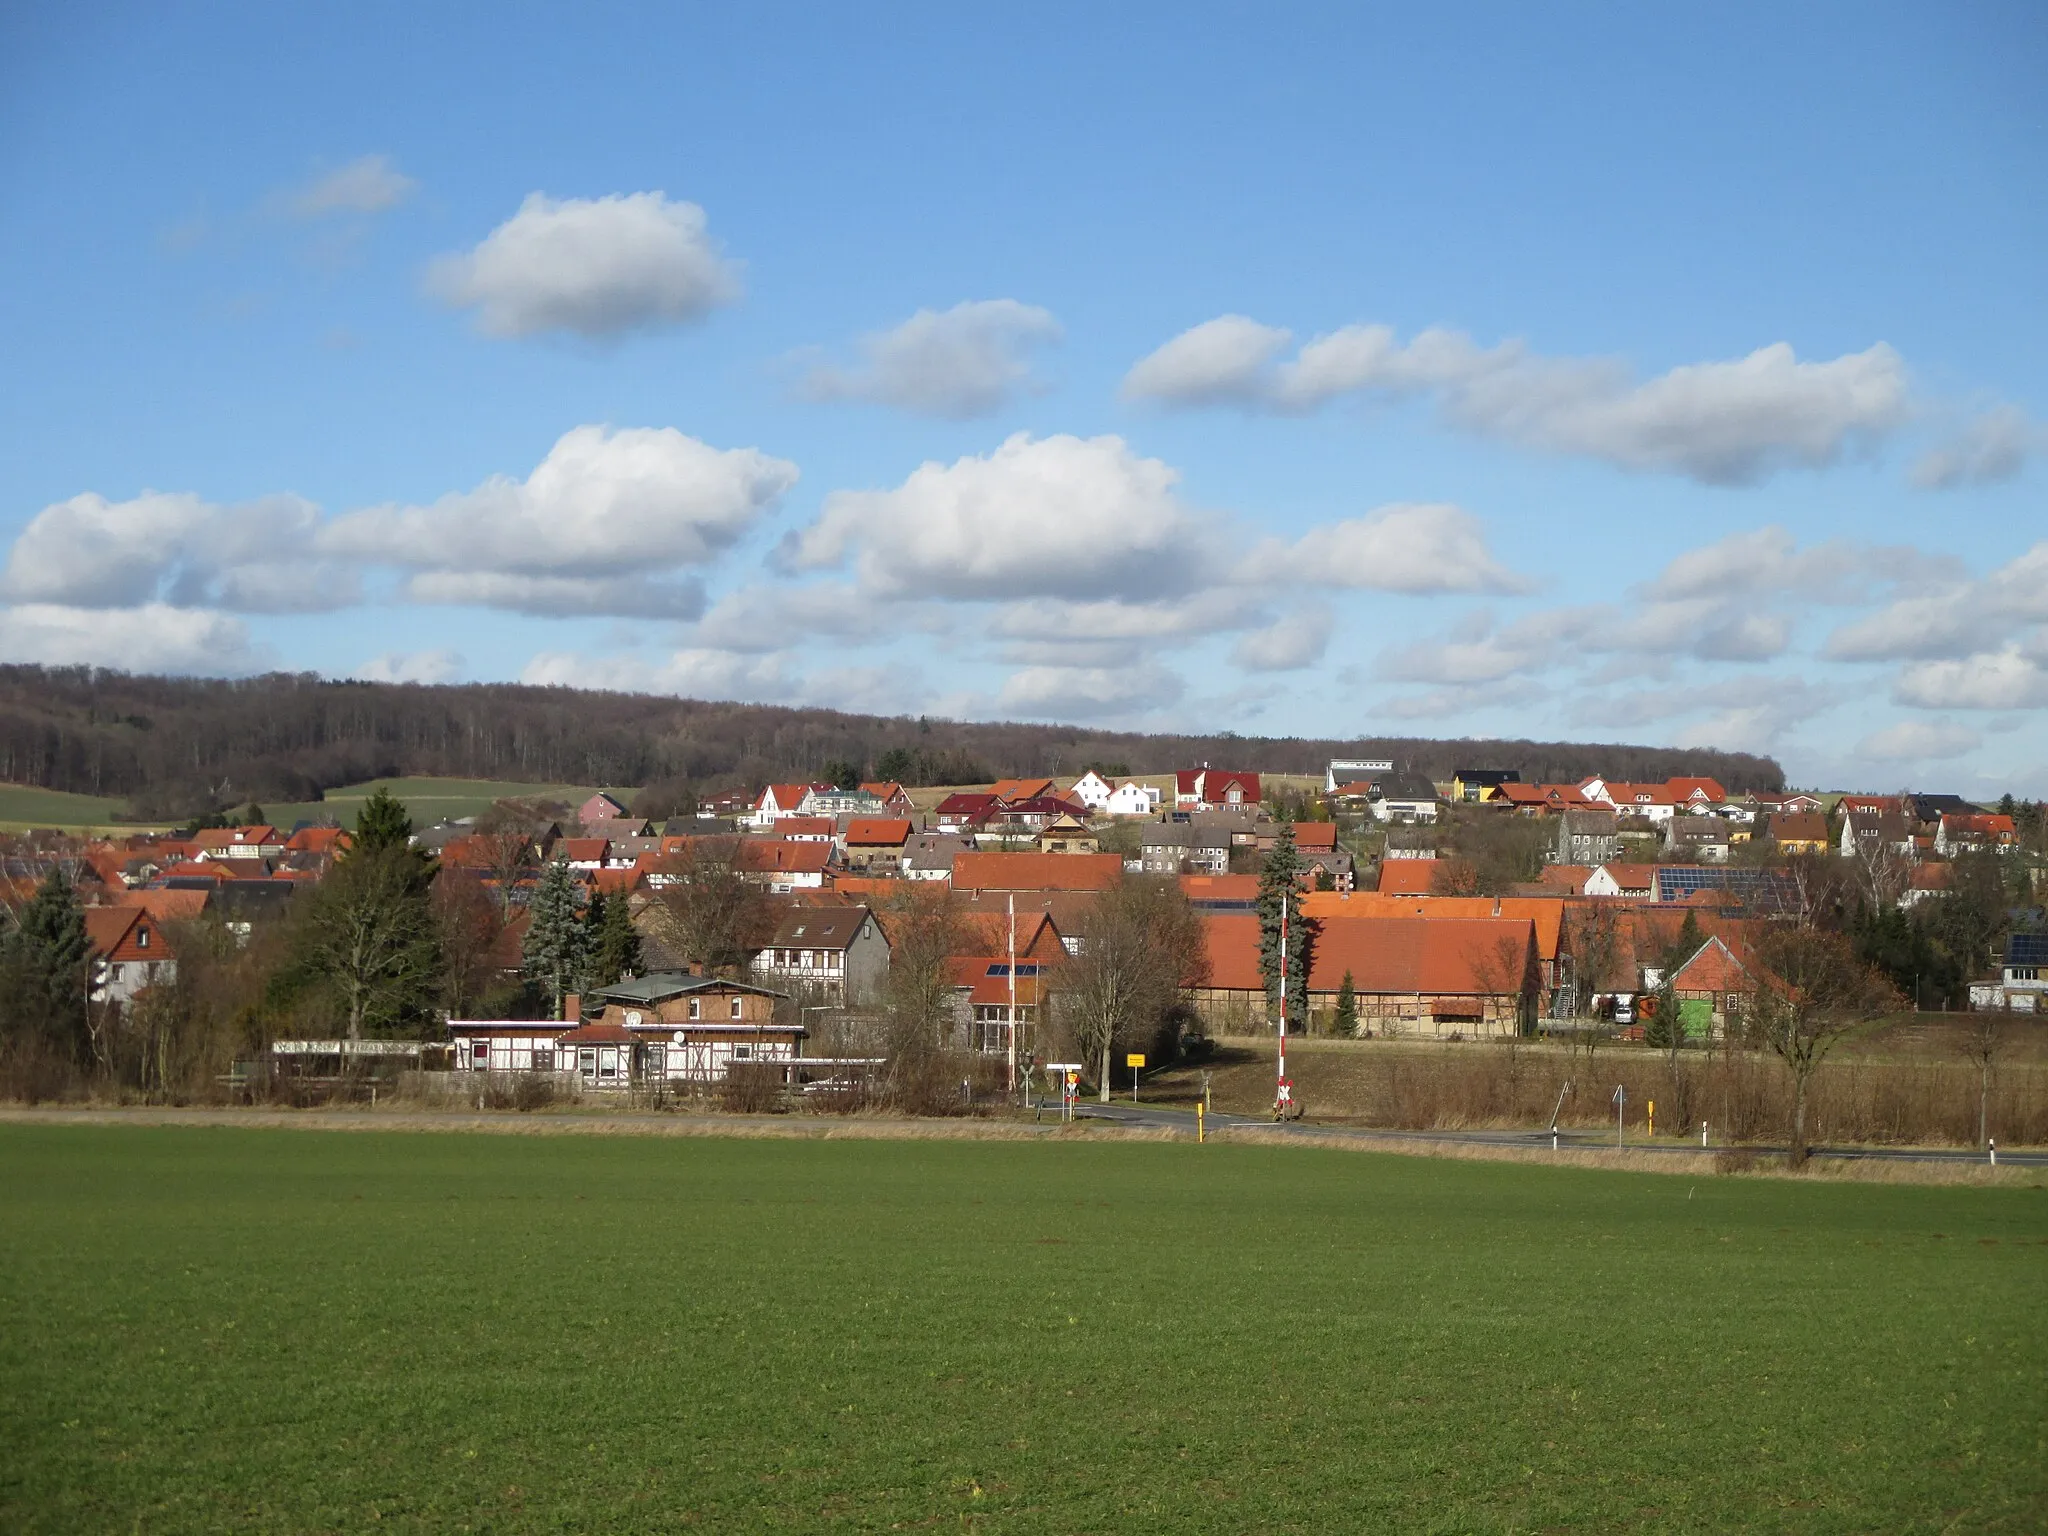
column 180, row 746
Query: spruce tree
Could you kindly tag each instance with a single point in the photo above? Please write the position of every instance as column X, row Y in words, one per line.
column 614, row 942
column 557, row 943
column 1280, row 877
column 1346, row 1021
column 46, row 953
column 382, row 823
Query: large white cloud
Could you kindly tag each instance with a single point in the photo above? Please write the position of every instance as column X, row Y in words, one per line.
column 957, row 363
column 1724, row 422
column 153, row 637
column 598, row 267
column 1962, row 619
column 2011, row 678
column 177, row 548
column 602, row 503
column 1039, row 517
column 1398, row 548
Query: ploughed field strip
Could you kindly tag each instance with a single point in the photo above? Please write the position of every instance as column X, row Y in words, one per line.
column 207, row 1329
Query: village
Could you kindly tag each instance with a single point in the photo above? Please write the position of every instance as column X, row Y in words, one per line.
column 776, row 931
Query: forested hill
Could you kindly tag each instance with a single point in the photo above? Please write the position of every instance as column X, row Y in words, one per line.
column 177, row 745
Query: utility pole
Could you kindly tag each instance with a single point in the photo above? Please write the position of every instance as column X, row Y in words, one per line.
column 1013, row 994
column 1283, row 1090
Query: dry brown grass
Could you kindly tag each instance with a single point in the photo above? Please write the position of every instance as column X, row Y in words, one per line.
column 1902, row 1095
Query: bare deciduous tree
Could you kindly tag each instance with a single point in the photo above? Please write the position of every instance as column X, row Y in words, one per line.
column 1817, row 992
column 707, row 910
column 1141, row 952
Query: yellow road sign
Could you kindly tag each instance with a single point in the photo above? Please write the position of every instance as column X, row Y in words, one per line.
column 1134, row 1060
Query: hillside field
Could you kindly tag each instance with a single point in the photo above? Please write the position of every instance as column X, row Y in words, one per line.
column 24, row 807
column 431, row 800
column 206, row 1329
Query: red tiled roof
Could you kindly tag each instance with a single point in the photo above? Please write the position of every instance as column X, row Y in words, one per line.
column 583, row 850
column 1220, row 887
column 596, row 1032
column 1408, row 877
column 803, row 826
column 1546, row 912
column 973, row 971
column 766, row 855
column 977, row 871
column 317, row 840
column 1023, row 789
column 165, row 906
column 116, row 933
column 1459, row 956
column 877, row 832
column 1316, row 836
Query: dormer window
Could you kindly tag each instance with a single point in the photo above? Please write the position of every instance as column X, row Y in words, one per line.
column 142, row 938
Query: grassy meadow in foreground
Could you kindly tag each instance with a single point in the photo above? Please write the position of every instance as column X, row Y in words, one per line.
column 283, row 1330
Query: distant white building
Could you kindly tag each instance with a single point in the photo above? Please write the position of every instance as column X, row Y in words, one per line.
column 1354, row 771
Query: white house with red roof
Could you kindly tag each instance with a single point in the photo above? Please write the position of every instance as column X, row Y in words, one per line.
column 1205, row 787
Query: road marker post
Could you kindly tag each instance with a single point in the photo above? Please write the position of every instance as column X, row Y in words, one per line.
column 1994, row 1151
column 1201, row 1128
column 1653, row 1119
column 1620, row 1105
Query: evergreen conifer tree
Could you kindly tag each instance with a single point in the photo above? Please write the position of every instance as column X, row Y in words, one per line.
column 1346, row 1021
column 1280, row 878
column 557, row 943
column 46, row 953
column 614, row 942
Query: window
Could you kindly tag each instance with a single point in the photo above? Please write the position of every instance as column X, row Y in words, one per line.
column 142, row 938
column 586, row 1060
column 543, row 1058
column 480, row 1055
column 743, row 1053
column 694, row 1005
column 735, row 1007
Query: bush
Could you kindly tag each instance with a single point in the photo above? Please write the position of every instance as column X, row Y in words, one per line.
column 752, row 1088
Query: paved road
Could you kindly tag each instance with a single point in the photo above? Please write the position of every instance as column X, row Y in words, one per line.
column 1152, row 1117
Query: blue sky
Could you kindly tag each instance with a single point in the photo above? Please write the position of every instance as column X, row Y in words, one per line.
column 1583, row 374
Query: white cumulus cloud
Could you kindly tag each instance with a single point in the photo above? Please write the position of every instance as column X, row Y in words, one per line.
column 1398, row 548
column 1961, row 619
column 153, row 637
column 1723, row 422
column 1218, row 361
column 2010, row 678
column 603, row 502
column 620, row 597
column 179, row 549
column 1039, row 517
column 966, row 361
column 598, row 267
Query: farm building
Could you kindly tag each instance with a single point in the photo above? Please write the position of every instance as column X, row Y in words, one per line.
column 1441, row 976
column 666, row 1028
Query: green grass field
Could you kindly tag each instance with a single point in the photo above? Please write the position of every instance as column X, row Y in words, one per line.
column 214, row 1329
column 429, row 800
column 23, row 807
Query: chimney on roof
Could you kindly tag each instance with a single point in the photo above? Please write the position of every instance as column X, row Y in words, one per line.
column 572, row 1008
